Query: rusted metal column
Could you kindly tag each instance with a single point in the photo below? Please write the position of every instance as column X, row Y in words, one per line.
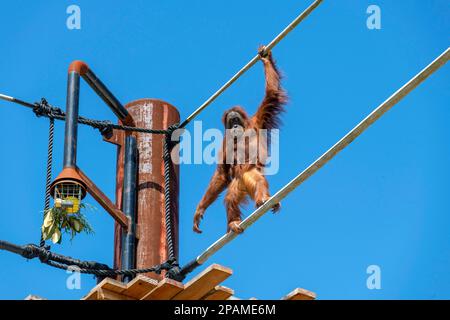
column 151, row 235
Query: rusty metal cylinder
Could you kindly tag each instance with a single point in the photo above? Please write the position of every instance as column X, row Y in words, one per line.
column 151, row 246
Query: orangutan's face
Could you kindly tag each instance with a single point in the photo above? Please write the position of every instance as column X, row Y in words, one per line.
column 234, row 121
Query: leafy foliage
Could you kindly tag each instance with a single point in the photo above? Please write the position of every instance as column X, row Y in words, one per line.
column 58, row 221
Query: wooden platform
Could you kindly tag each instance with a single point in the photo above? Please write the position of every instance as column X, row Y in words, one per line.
column 205, row 286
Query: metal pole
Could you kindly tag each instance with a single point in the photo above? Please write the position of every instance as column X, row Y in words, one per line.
column 323, row 159
column 151, row 247
column 18, row 101
column 255, row 59
column 103, row 92
column 70, row 138
column 129, row 206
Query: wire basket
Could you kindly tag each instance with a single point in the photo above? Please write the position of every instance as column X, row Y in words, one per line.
column 68, row 195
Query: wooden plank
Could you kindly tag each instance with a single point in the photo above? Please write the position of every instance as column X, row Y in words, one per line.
column 112, row 285
column 140, row 287
column 165, row 290
column 103, row 294
column 219, row 293
column 300, row 294
column 107, row 284
column 92, row 295
column 204, row 282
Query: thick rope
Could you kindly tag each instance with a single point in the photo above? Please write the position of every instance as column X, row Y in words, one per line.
column 59, row 261
column 43, row 109
column 48, row 177
column 167, row 194
column 111, row 273
column 95, row 268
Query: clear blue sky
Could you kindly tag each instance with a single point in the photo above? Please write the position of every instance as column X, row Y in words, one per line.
column 383, row 201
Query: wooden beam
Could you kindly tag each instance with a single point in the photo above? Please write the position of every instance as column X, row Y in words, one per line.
column 140, row 287
column 165, row 290
column 108, row 284
column 300, row 294
column 219, row 293
column 204, row 282
column 103, row 294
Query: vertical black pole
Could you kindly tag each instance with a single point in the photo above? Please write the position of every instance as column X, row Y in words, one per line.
column 70, row 138
column 129, row 205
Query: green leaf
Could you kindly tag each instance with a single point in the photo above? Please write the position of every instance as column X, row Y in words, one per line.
column 58, row 221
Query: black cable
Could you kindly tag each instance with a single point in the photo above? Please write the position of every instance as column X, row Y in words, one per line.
column 59, row 261
column 43, row 109
column 110, row 272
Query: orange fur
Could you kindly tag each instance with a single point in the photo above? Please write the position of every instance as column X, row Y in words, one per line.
column 246, row 179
